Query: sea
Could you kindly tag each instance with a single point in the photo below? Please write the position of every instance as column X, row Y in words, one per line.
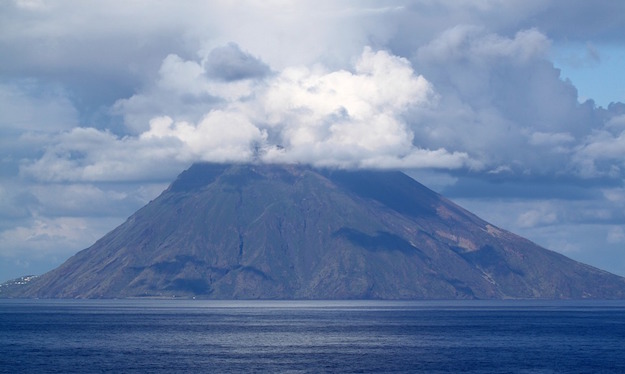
column 199, row 336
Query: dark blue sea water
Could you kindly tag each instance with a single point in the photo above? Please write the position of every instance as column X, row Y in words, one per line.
column 192, row 336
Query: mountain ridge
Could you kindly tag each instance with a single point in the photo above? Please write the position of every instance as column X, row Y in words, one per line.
column 248, row 231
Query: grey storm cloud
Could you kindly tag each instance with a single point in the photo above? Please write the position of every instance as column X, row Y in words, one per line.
column 230, row 63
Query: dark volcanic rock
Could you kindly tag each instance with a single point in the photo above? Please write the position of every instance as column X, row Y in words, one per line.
column 293, row 232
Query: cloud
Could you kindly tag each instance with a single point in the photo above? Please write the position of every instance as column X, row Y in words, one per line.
column 229, row 63
column 350, row 118
column 543, row 215
column 505, row 105
column 616, row 235
column 184, row 90
column 576, row 20
column 472, row 42
column 31, row 4
column 61, row 236
column 491, row 103
column 82, row 200
column 219, row 137
column 54, row 111
column 494, row 102
column 550, row 139
column 342, row 118
column 601, row 154
column 615, row 195
column 577, row 59
column 92, row 155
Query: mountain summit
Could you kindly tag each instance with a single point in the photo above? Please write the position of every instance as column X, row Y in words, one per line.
column 295, row 232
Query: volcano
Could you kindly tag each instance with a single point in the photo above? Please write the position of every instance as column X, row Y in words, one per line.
column 257, row 231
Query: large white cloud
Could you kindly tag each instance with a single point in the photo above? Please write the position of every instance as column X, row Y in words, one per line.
column 343, row 118
column 350, row 118
column 221, row 136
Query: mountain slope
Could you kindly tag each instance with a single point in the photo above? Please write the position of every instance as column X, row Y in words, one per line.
column 283, row 231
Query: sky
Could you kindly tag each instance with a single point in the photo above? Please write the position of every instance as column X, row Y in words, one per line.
column 514, row 109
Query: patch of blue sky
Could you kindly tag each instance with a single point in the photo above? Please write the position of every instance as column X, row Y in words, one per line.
column 597, row 71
